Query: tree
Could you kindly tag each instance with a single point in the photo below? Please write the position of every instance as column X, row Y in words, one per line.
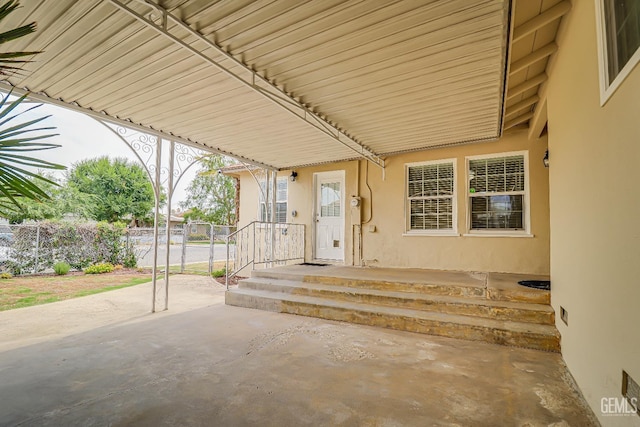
column 121, row 189
column 211, row 195
column 18, row 180
column 64, row 199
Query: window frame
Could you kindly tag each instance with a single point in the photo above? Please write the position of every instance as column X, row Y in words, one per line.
column 526, row 215
column 454, row 205
column 606, row 89
column 264, row 202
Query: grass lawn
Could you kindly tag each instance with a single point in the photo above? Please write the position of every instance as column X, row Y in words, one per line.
column 200, row 268
column 33, row 290
column 205, row 242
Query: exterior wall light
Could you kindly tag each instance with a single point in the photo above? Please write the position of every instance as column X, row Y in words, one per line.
column 293, row 176
column 545, row 159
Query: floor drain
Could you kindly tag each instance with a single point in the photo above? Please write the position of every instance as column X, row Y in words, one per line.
column 536, row 284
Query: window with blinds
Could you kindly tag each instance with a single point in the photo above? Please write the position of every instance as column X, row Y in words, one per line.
column 497, row 193
column 430, row 196
column 281, row 201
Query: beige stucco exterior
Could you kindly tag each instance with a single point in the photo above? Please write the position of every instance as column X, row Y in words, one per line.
column 583, row 214
column 384, row 208
column 595, row 207
column 389, row 246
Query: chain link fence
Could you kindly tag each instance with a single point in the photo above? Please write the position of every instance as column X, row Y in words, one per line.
column 195, row 247
column 35, row 248
column 204, row 247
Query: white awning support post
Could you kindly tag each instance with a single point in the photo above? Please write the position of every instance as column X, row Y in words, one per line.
column 156, row 217
column 274, row 197
column 148, row 149
column 170, row 188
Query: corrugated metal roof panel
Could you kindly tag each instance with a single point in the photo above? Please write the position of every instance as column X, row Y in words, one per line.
column 395, row 75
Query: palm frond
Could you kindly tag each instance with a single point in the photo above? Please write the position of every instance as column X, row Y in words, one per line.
column 18, row 178
column 28, row 146
column 17, row 33
column 6, row 56
column 26, row 110
column 22, row 131
column 8, row 7
column 12, row 62
column 29, row 161
column 11, row 106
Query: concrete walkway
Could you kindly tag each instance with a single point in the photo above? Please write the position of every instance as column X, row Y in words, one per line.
column 104, row 360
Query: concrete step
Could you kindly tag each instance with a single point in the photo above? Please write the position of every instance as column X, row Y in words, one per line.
column 486, row 308
column 436, row 283
column 504, row 287
column 519, row 334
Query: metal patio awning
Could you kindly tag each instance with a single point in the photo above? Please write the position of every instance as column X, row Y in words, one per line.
column 280, row 83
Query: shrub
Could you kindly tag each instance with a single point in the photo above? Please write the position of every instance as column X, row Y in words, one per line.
column 78, row 244
column 198, row 237
column 219, row 273
column 103, row 267
column 5, row 275
column 61, row 268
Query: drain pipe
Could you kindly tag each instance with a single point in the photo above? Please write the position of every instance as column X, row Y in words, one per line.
column 356, row 228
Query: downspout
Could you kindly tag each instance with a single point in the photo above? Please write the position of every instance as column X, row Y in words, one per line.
column 356, row 229
column 237, row 201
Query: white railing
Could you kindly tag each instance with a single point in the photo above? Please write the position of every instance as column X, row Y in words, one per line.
column 264, row 243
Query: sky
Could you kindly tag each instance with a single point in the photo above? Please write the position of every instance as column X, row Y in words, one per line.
column 82, row 137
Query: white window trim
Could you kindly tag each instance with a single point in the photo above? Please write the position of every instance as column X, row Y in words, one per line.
column 606, row 89
column 260, row 202
column 469, row 232
column 407, row 211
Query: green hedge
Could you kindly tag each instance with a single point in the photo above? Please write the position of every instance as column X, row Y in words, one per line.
column 78, row 244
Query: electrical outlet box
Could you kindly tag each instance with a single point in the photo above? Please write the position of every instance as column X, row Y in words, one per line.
column 564, row 315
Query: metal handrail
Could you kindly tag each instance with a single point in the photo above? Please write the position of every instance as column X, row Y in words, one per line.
column 289, row 255
column 236, row 269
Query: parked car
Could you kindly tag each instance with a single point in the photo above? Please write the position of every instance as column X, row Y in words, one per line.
column 6, row 235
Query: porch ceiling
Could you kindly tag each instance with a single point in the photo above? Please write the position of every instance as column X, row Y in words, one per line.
column 381, row 77
column 536, row 24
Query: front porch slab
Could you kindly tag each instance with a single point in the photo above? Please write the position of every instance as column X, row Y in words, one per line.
column 203, row 363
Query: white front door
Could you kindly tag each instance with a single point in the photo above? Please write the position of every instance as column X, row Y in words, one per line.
column 329, row 215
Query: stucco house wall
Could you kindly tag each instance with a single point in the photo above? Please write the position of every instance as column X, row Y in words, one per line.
column 595, row 208
column 384, row 208
column 389, row 247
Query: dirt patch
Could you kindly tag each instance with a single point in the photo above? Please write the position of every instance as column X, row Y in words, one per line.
column 233, row 281
column 44, row 288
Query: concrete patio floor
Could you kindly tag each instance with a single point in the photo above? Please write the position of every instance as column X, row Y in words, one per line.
column 104, row 360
